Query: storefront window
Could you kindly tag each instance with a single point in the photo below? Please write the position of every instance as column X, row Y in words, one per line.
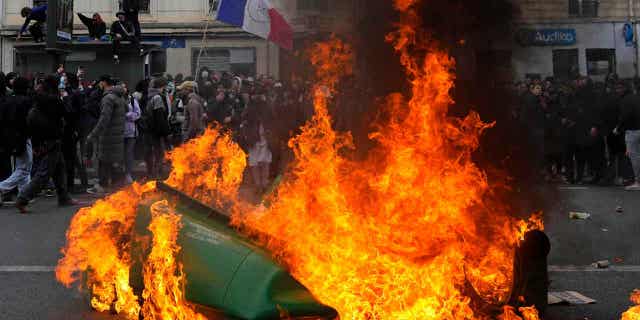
column 145, row 6
column 601, row 62
column 565, row 64
column 235, row 60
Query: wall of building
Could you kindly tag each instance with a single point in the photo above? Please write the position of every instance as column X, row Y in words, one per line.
column 602, row 32
column 180, row 60
column 597, row 35
column 533, row 11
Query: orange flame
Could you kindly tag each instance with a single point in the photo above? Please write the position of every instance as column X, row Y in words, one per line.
column 163, row 278
column 528, row 313
column 400, row 234
column 209, row 168
column 98, row 243
column 634, row 312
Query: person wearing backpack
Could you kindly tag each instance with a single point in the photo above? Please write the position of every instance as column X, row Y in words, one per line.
column 156, row 119
column 45, row 123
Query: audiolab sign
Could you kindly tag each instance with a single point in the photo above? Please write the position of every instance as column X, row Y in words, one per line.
column 546, row 37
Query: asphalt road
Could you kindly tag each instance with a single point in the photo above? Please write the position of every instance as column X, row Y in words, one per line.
column 31, row 243
column 607, row 235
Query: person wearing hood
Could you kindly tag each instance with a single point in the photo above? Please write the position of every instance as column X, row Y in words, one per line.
column 194, row 112
column 123, row 30
column 45, row 124
column 156, row 118
column 108, row 134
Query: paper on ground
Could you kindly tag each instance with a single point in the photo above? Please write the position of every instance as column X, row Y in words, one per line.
column 570, row 297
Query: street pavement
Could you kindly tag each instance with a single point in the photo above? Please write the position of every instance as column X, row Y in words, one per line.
column 575, row 244
column 31, row 247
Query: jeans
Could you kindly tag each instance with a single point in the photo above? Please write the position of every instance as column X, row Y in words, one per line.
column 48, row 165
column 21, row 176
column 632, row 138
column 129, row 153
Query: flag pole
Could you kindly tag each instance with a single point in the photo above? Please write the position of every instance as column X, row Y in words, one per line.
column 268, row 58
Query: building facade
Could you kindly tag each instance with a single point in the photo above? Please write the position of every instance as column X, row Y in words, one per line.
column 566, row 38
column 189, row 33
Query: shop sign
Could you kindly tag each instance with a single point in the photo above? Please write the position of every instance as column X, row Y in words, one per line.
column 168, row 42
column 547, row 37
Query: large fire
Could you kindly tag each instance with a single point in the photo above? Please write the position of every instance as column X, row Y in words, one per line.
column 163, row 278
column 634, row 312
column 400, row 234
column 98, row 243
column 406, row 233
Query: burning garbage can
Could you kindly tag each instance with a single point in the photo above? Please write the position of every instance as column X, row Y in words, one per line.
column 226, row 271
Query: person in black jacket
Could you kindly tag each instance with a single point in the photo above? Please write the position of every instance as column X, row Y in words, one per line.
column 97, row 27
column 122, row 30
column 131, row 9
column 73, row 100
column 156, row 118
column 5, row 154
column 13, row 121
column 45, row 123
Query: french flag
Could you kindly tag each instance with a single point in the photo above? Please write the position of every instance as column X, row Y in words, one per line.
column 257, row 17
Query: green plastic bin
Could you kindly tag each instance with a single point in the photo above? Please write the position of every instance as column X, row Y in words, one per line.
column 226, row 271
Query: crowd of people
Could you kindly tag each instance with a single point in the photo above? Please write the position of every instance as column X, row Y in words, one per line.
column 583, row 131
column 57, row 127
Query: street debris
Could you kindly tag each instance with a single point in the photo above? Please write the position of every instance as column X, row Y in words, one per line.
column 568, row 297
column 619, row 209
column 579, row 215
column 602, row 264
column 604, row 230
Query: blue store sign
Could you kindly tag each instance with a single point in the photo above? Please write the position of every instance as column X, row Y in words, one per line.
column 168, row 42
column 627, row 33
column 546, row 37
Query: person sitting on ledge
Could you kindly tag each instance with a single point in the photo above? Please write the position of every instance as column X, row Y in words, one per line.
column 37, row 14
column 97, row 27
column 122, row 30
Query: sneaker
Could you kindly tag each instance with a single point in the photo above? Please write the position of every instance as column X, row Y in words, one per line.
column 96, row 190
column 633, row 187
